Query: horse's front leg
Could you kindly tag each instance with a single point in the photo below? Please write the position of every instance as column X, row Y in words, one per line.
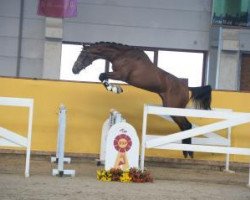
column 103, row 78
column 110, row 87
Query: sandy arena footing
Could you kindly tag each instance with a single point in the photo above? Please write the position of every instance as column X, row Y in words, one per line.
column 170, row 182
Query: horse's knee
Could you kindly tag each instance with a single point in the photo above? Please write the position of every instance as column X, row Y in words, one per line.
column 102, row 77
column 186, row 125
column 187, row 141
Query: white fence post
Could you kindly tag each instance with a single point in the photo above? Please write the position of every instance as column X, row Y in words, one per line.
column 229, row 131
column 143, row 143
column 12, row 139
column 60, row 159
column 249, row 177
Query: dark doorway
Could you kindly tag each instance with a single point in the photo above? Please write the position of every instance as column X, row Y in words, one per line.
column 245, row 72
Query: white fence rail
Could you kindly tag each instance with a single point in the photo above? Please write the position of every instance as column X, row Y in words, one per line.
column 11, row 139
column 213, row 143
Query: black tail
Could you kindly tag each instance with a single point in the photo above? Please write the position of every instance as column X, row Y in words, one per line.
column 201, row 96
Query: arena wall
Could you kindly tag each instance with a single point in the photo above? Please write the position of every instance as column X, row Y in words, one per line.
column 88, row 106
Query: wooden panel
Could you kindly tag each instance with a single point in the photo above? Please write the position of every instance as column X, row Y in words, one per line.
column 245, row 73
column 193, row 5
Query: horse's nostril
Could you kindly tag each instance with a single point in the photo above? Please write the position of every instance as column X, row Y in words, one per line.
column 74, row 70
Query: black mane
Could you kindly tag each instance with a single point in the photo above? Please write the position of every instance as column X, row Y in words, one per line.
column 112, row 45
column 119, row 47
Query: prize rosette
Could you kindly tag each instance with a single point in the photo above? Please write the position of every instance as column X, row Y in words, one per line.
column 122, row 144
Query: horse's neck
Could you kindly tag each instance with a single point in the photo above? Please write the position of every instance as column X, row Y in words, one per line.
column 108, row 54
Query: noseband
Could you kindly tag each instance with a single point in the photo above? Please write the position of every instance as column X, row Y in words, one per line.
column 79, row 64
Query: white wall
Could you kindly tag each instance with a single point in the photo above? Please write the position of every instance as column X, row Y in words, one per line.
column 177, row 24
column 9, row 22
column 32, row 39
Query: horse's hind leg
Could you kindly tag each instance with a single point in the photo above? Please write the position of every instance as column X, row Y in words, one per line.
column 184, row 124
column 178, row 101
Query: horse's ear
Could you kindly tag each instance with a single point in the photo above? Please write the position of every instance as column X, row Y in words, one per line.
column 85, row 46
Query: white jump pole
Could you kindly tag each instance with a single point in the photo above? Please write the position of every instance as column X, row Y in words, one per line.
column 60, row 159
column 27, row 166
column 248, row 185
column 229, row 131
column 143, row 142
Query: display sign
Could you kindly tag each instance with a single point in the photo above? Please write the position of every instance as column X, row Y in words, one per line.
column 57, row 8
column 122, row 147
column 231, row 12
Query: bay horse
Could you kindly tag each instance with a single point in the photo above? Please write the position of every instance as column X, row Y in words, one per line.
column 133, row 66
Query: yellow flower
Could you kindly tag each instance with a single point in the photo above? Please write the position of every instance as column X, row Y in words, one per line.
column 131, row 175
column 125, row 177
column 103, row 175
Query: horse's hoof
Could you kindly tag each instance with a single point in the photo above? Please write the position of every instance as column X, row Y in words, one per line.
column 191, row 154
column 185, row 154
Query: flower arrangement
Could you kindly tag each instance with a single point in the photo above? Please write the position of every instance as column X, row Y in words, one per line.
column 132, row 175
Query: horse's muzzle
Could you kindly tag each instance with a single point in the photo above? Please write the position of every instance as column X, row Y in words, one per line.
column 76, row 68
column 75, row 71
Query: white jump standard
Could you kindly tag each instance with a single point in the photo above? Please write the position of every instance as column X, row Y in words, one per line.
column 12, row 139
column 172, row 141
column 60, row 159
column 114, row 117
column 119, row 143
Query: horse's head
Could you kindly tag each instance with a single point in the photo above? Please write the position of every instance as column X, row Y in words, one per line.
column 84, row 59
column 89, row 53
